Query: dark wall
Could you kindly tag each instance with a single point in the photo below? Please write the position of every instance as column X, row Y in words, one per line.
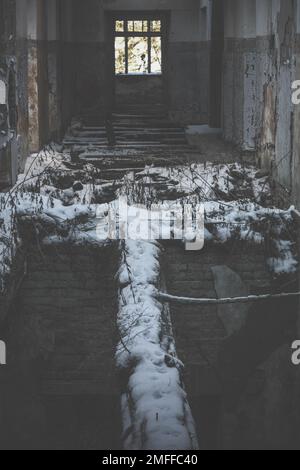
column 139, row 89
column 8, row 108
column 188, row 81
column 187, row 58
column 242, row 386
column 59, row 388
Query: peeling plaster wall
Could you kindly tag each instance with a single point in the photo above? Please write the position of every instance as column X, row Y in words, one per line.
column 8, row 135
column 260, row 62
column 54, row 63
column 60, row 65
column 296, row 123
column 275, row 113
column 22, row 79
column 37, row 36
column 240, row 73
column 284, row 41
column 40, row 43
column 37, row 74
column 70, row 54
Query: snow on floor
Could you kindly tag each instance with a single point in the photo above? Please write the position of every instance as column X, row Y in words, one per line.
column 156, row 414
column 251, row 223
column 8, row 240
column 229, row 185
column 77, row 224
column 207, row 181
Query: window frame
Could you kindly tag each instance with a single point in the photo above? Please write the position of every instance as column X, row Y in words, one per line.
column 128, row 34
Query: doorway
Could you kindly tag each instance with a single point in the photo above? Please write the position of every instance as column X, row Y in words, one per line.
column 138, row 60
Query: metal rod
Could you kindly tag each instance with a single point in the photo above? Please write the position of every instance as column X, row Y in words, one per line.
column 235, row 300
column 296, row 213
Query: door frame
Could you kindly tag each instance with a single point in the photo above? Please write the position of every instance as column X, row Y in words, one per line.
column 110, row 18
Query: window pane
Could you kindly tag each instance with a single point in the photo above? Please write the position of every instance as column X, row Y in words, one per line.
column 130, row 26
column 156, row 55
column 137, row 55
column 138, row 26
column 156, row 26
column 120, row 26
column 120, row 55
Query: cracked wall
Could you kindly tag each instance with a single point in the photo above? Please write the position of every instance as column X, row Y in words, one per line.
column 8, row 130
column 261, row 62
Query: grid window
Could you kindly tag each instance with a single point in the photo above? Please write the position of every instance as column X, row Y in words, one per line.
column 138, row 47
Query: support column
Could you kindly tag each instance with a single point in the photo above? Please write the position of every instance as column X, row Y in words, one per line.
column 216, row 62
column 68, row 63
column 54, row 60
column 296, row 122
column 37, row 74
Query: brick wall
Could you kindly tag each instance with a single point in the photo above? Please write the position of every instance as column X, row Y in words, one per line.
column 62, row 336
column 240, row 387
column 189, row 274
column 199, row 333
column 59, row 387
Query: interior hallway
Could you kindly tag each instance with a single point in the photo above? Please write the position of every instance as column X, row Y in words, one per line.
column 170, row 100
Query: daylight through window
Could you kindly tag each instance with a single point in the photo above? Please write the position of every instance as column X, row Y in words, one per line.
column 138, row 47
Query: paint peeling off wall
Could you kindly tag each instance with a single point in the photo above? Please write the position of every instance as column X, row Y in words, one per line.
column 268, row 130
column 8, row 142
column 260, row 66
column 249, row 96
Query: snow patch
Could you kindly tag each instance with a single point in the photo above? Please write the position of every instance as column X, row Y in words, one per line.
column 156, row 414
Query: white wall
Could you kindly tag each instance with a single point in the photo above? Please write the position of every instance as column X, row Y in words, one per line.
column 263, row 17
column 32, row 14
column 21, row 19
column 240, row 19
column 185, row 17
column 52, row 26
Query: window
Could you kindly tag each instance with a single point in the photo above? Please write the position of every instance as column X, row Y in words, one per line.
column 138, row 47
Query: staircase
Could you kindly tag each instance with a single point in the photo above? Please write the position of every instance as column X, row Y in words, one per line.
column 130, row 129
column 137, row 129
